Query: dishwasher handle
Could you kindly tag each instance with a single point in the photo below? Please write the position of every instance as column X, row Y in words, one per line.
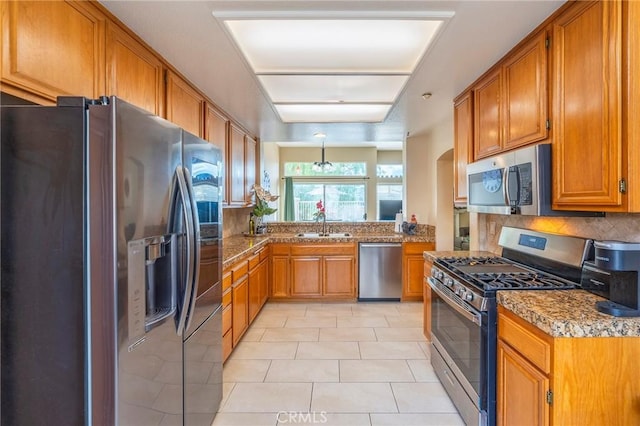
column 373, row 245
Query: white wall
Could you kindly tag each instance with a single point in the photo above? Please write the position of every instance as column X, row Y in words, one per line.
column 423, row 185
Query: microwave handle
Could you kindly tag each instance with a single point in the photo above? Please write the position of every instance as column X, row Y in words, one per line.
column 510, row 171
column 505, row 186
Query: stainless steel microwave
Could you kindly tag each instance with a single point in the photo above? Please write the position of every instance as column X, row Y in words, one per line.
column 515, row 182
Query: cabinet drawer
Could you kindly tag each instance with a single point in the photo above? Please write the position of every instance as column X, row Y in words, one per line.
column 253, row 261
column 226, row 281
column 264, row 253
column 529, row 344
column 226, row 298
column 322, row 249
column 280, row 249
column 227, row 345
column 239, row 270
column 417, row 248
column 226, row 318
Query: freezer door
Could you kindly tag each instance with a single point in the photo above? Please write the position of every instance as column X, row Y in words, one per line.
column 203, row 372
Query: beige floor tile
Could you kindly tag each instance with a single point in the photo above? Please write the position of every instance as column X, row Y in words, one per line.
column 422, row 370
column 344, row 334
column 279, row 307
column 227, row 387
column 269, row 321
column 379, row 370
column 336, row 309
column 323, row 418
column 290, row 335
column 404, row 321
column 253, row 334
column 426, row 348
column 302, row 370
column 268, row 398
column 411, row 334
column 245, row 419
column 265, row 350
column 368, row 321
column 422, row 398
column 353, row 398
column 404, row 419
column 368, row 309
column 328, row 350
column 311, row 322
column 411, row 307
column 391, row 350
column 245, row 370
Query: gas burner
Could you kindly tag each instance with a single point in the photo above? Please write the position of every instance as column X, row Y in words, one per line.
column 472, row 261
column 530, row 281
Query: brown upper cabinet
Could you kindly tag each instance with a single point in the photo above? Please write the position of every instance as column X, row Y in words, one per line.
column 241, row 166
column 510, row 101
column 588, row 143
column 134, row 73
column 52, row 49
column 487, row 136
column 526, row 93
column 462, row 144
column 185, row 105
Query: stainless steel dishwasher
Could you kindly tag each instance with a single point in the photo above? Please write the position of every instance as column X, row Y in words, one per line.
column 380, row 271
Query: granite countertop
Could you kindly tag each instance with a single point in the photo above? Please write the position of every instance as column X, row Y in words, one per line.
column 567, row 313
column 236, row 247
column 433, row 255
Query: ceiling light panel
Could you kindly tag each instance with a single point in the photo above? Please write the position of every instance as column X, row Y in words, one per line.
column 332, row 113
column 333, row 88
column 329, row 46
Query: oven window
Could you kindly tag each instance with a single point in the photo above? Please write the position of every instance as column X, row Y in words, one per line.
column 460, row 338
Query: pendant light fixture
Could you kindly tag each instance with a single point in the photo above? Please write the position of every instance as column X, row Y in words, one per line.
column 322, row 166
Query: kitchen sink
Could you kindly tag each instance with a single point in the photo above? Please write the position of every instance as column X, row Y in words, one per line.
column 326, row 235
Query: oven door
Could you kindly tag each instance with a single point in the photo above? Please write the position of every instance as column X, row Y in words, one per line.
column 459, row 336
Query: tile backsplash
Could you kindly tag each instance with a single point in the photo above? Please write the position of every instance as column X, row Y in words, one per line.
column 235, row 221
column 614, row 226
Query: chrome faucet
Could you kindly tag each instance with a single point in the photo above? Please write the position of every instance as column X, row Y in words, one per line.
column 324, row 224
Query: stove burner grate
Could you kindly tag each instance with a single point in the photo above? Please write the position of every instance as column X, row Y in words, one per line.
column 533, row 281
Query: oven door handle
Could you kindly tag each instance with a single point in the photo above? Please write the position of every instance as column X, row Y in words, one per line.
column 470, row 315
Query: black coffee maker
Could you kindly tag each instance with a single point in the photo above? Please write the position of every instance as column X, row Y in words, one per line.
column 614, row 275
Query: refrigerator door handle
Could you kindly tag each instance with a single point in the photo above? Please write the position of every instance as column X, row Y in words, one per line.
column 190, row 236
column 196, row 250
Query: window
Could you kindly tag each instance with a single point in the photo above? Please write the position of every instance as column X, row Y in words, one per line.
column 389, row 201
column 390, row 171
column 343, row 199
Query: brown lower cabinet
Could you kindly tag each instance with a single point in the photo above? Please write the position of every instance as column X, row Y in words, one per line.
column 312, row 271
column 426, row 297
column 413, row 269
column 543, row 380
column 227, row 316
column 245, row 290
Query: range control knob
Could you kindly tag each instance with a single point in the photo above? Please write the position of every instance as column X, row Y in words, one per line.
column 448, row 282
column 468, row 297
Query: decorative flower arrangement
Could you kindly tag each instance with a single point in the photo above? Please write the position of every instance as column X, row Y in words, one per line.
column 320, row 213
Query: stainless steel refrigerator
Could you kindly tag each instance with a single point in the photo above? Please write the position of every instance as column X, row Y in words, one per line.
column 111, row 267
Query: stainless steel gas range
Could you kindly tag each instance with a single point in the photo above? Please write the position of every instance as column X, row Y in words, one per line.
column 464, row 312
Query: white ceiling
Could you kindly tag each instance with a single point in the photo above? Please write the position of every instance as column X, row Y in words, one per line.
column 188, row 35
